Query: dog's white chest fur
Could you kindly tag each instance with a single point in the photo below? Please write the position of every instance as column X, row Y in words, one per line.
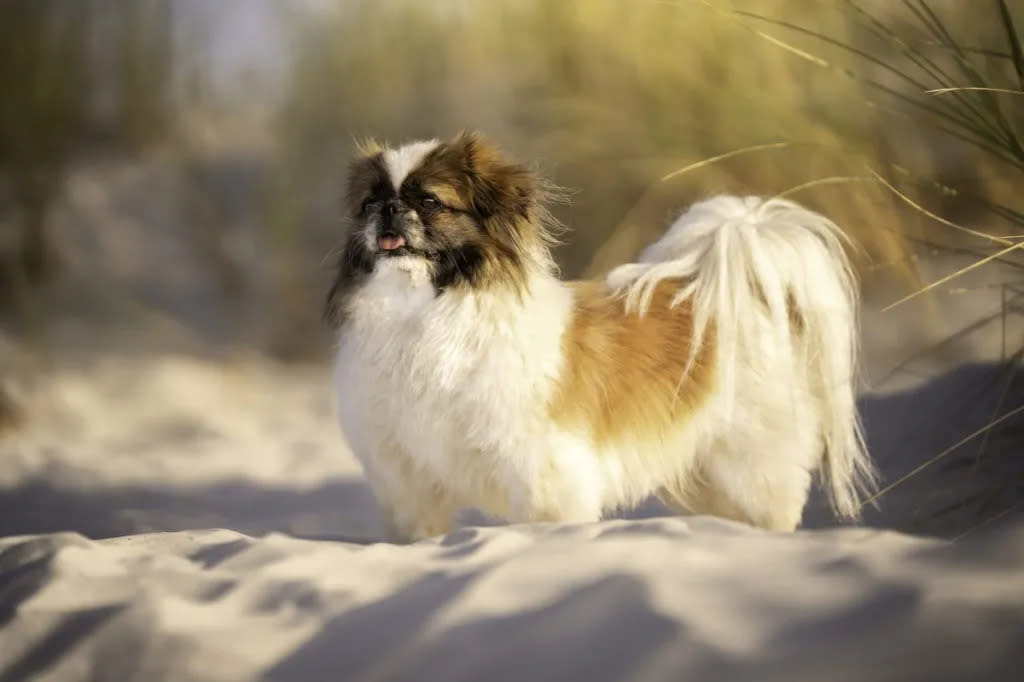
column 448, row 390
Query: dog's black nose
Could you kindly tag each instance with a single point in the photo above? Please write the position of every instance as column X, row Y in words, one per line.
column 391, row 208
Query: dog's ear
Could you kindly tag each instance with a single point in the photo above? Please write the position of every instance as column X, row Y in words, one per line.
column 497, row 188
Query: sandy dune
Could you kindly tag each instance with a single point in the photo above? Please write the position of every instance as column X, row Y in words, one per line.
column 664, row 599
column 167, row 513
column 306, row 594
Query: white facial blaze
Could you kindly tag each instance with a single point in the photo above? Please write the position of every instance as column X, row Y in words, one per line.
column 402, row 161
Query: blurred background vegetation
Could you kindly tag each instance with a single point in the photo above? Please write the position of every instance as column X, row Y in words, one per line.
column 171, row 173
column 170, row 170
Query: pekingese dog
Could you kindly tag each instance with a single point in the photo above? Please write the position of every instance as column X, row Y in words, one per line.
column 716, row 372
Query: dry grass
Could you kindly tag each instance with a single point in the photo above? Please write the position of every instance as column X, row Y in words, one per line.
column 849, row 107
column 612, row 97
column 899, row 120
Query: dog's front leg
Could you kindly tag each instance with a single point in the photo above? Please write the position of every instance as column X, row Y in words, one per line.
column 412, row 505
column 556, row 494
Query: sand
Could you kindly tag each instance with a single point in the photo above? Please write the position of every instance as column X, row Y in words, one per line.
column 657, row 599
column 174, row 518
column 172, row 512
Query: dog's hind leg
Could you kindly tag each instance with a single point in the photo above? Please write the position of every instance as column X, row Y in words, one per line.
column 773, row 502
column 757, row 477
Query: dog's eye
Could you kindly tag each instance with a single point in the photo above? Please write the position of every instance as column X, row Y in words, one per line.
column 430, row 203
column 368, row 205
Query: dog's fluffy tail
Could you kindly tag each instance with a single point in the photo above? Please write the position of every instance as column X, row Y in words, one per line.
column 752, row 267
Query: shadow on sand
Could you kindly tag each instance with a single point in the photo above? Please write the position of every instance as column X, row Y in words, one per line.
column 971, row 481
column 969, row 485
column 339, row 509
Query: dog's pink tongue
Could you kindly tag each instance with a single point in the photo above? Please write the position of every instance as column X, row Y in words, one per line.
column 390, row 243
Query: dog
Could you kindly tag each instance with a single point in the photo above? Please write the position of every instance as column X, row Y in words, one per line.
column 716, row 372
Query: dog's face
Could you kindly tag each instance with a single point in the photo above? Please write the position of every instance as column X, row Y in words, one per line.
column 455, row 209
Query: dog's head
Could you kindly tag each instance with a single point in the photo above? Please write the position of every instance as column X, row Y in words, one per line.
column 456, row 210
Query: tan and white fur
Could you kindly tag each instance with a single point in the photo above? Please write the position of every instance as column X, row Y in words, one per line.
column 716, row 372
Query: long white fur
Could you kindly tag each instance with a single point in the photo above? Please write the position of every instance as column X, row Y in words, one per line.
column 750, row 263
column 444, row 398
column 438, row 397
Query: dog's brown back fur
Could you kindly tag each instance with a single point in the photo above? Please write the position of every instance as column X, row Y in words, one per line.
column 615, row 387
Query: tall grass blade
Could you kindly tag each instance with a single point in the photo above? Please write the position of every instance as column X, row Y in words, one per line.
column 961, row 333
column 1013, row 38
column 952, row 276
column 934, row 216
column 727, row 155
column 924, row 63
column 967, row 49
column 992, row 519
column 952, row 448
column 971, row 73
column 818, row 182
column 1003, row 91
column 982, row 136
